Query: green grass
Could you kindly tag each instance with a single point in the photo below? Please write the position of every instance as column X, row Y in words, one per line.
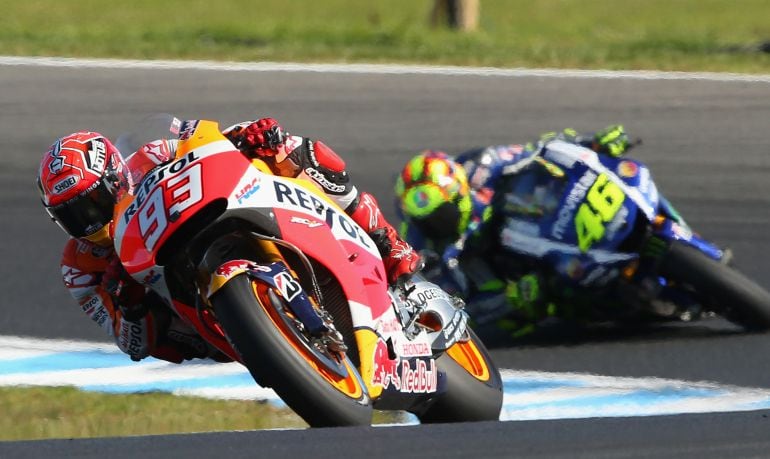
column 713, row 35
column 30, row 413
column 65, row 412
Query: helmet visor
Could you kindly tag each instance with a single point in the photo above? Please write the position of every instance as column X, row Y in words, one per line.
column 442, row 223
column 87, row 213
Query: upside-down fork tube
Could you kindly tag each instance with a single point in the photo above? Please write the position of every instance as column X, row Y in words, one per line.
column 232, row 268
column 301, row 304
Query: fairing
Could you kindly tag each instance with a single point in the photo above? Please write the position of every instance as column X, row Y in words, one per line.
column 207, row 168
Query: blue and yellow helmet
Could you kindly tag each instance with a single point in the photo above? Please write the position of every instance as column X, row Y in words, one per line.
column 433, row 193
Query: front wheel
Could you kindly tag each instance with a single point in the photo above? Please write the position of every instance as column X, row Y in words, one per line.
column 736, row 297
column 279, row 355
column 474, row 387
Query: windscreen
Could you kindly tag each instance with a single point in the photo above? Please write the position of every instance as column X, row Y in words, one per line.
column 152, row 127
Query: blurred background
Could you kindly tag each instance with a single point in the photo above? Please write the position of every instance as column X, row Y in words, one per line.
column 716, row 35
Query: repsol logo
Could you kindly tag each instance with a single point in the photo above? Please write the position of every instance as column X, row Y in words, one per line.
column 298, row 197
column 155, row 177
column 131, row 337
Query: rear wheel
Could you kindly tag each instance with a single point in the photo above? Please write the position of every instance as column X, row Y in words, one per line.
column 474, row 388
column 323, row 388
column 730, row 293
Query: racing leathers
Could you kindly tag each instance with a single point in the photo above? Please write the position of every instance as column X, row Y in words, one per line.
column 505, row 196
column 138, row 320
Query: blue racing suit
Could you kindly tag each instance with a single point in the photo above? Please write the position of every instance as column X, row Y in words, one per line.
column 501, row 280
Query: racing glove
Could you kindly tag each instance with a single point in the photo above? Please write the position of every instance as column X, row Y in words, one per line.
column 263, row 137
column 525, row 296
column 126, row 292
column 511, row 305
column 528, row 306
column 568, row 135
column 611, row 140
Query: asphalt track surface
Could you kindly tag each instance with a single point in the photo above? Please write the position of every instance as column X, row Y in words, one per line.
column 705, row 141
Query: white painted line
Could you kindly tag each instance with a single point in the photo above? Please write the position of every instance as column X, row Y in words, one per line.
column 616, row 382
column 253, row 392
column 18, row 343
column 150, row 370
column 377, row 69
column 558, row 394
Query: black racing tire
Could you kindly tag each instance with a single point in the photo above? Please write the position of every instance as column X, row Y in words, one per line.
column 467, row 398
column 730, row 293
column 275, row 362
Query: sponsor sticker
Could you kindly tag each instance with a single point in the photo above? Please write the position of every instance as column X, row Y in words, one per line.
column 385, row 368
column 94, row 308
column 64, row 185
column 306, row 221
column 159, row 150
column 176, row 126
column 627, row 169
column 74, row 278
column 575, row 197
column 298, row 198
column 414, row 349
column 287, row 285
column 96, row 157
column 232, row 267
column 151, row 277
column 187, row 128
column 248, row 190
column 389, row 326
column 323, row 181
column 418, row 377
column 57, row 163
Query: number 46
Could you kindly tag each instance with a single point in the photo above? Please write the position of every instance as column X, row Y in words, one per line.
column 603, row 201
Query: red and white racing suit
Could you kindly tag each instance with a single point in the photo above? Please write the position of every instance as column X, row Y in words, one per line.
column 161, row 334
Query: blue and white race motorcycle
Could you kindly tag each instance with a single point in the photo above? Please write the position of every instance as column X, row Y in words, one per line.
column 599, row 223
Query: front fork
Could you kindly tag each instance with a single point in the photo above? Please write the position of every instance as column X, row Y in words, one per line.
column 273, row 270
column 662, row 296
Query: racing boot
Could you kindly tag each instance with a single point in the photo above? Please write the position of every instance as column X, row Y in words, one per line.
column 399, row 258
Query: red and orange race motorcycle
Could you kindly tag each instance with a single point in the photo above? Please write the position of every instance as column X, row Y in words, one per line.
column 276, row 276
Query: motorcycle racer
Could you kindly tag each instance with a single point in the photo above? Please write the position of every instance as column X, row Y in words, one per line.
column 81, row 178
column 449, row 207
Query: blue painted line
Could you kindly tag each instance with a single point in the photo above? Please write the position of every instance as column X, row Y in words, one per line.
column 538, row 384
column 637, row 398
column 65, row 361
column 760, row 405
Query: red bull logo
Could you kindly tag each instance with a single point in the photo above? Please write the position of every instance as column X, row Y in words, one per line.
column 423, row 378
column 385, row 368
column 232, row 267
